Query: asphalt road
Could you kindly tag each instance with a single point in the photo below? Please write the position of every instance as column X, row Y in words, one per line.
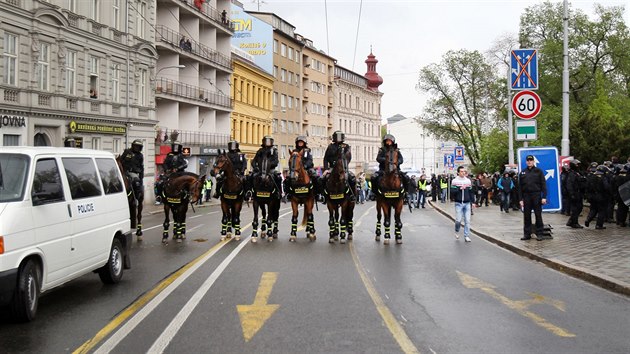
column 431, row 294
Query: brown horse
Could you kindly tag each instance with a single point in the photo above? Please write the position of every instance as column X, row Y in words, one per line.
column 179, row 190
column 231, row 196
column 302, row 193
column 135, row 200
column 266, row 194
column 339, row 196
column 390, row 194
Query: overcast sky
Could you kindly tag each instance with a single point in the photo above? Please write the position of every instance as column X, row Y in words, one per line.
column 405, row 34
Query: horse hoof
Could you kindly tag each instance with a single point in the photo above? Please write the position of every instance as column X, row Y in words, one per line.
column 292, row 238
column 223, row 237
column 336, row 238
column 386, row 241
column 377, row 238
column 165, row 241
column 343, row 241
column 139, row 233
column 331, row 240
column 269, row 239
column 237, row 238
column 399, row 241
column 254, row 239
column 229, row 235
column 275, row 236
column 349, row 237
column 179, row 240
column 139, row 238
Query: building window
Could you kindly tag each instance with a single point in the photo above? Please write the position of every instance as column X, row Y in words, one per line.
column 297, row 79
column 10, row 140
column 290, row 53
column 142, row 88
column 96, row 143
column 10, row 59
column 297, row 56
column 275, row 71
column 141, row 11
column 275, row 46
column 116, row 146
column 71, row 73
column 290, row 78
column 283, row 101
column 283, row 50
column 72, row 5
column 116, row 83
column 93, row 68
column 290, row 127
column 283, row 126
column 116, row 14
column 283, row 75
column 275, row 98
column 43, row 67
column 290, row 102
column 94, row 10
column 274, row 126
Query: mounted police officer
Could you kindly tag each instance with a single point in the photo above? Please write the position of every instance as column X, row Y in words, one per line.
column 389, row 144
column 307, row 162
column 174, row 164
column 330, row 159
column 133, row 162
column 268, row 151
column 239, row 163
column 575, row 188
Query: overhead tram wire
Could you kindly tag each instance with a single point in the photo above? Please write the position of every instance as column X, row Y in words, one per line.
column 356, row 40
column 327, row 37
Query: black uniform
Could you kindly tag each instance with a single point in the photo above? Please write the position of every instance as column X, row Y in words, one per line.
column 330, row 159
column 622, row 208
column 174, row 163
column 566, row 199
column 307, row 163
column 532, row 188
column 597, row 195
column 271, row 153
column 133, row 163
column 381, row 158
column 574, row 186
column 239, row 162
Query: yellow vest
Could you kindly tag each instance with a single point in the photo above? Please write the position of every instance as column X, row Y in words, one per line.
column 422, row 185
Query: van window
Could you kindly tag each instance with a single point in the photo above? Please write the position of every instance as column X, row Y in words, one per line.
column 13, row 168
column 108, row 169
column 47, row 186
column 82, row 177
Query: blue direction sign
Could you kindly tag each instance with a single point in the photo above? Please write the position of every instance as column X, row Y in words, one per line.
column 459, row 153
column 545, row 158
column 524, row 69
column 449, row 161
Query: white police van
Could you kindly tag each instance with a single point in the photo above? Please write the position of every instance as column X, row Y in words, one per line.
column 63, row 213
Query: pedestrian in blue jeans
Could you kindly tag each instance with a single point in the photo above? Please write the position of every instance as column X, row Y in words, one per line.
column 461, row 191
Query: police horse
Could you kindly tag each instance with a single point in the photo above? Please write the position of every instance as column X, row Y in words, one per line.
column 302, row 193
column 339, row 200
column 390, row 195
column 180, row 189
column 266, row 194
column 231, row 196
column 135, row 199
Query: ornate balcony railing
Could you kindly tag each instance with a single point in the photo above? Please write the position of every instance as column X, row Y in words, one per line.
column 176, row 88
column 210, row 12
column 176, row 39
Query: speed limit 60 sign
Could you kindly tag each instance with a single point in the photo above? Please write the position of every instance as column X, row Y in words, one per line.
column 526, row 104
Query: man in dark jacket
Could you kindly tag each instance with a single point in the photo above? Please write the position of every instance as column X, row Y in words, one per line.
column 267, row 151
column 330, row 159
column 532, row 196
column 597, row 193
column 505, row 185
column 133, row 162
column 622, row 209
column 461, row 194
column 575, row 193
column 566, row 204
column 239, row 163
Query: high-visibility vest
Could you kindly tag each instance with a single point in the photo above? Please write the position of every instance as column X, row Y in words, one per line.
column 208, row 184
column 443, row 184
column 422, row 185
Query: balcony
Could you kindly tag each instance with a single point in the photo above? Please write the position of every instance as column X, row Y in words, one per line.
column 191, row 137
column 331, row 101
column 198, row 94
column 172, row 38
column 306, row 93
column 209, row 13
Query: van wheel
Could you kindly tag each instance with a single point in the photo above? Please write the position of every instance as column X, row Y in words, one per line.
column 26, row 296
column 112, row 272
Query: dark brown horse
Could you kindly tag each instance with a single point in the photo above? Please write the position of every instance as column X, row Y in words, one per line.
column 180, row 190
column 231, row 196
column 302, row 193
column 339, row 198
column 390, row 195
column 266, row 194
column 135, row 200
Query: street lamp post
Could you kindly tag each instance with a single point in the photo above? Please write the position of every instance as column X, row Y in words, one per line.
column 180, row 66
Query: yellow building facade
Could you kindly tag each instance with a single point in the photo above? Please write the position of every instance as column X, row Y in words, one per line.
column 251, row 90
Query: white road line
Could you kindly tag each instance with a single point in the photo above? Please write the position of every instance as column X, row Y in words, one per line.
column 194, row 228
column 196, row 216
column 152, row 227
column 403, row 317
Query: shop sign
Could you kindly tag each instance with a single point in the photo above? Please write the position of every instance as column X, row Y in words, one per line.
column 12, row 121
column 95, row 128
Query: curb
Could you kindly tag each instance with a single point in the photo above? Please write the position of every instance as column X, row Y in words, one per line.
column 600, row 280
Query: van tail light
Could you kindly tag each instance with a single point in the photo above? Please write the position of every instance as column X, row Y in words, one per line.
column 1, row 245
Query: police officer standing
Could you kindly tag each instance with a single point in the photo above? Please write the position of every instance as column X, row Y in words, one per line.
column 622, row 209
column 597, row 195
column 133, row 162
column 239, row 164
column 575, row 193
column 532, row 192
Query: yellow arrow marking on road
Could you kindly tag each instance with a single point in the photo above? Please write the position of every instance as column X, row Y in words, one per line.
column 521, row 306
column 254, row 316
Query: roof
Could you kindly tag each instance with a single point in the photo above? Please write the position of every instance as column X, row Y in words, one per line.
column 48, row 150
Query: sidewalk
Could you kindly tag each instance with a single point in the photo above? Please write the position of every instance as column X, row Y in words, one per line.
column 601, row 257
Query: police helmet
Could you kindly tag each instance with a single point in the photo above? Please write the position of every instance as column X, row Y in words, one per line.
column 176, row 147
column 267, row 141
column 608, row 164
column 626, row 167
column 233, row 145
column 301, row 138
column 137, row 145
column 602, row 169
column 338, row 137
column 390, row 138
column 574, row 164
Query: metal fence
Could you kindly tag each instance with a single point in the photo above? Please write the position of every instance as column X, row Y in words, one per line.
column 177, row 39
column 176, row 88
column 185, row 137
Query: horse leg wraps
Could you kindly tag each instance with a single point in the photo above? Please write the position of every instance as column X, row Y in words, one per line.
column 182, row 229
column 224, row 225
column 378, row 228
column 343, row 230
column 255, row 228
column 331, row 226
column 263, row 225
column 294, row 225
column 310, row 224
column 350, row 226
column 398, row 229
column 387, row 230
column 236, row 222
column 139, row 230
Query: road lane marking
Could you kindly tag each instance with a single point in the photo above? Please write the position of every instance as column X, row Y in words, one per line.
column 164, row 288
column 522, row 306
column 254, row 316
column 176, row 324
column 392, row 324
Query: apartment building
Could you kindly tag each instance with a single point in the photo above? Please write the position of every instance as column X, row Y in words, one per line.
column 192, row 78
column 78, row 69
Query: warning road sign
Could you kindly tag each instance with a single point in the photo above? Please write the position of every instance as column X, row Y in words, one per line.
column 526, row 104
